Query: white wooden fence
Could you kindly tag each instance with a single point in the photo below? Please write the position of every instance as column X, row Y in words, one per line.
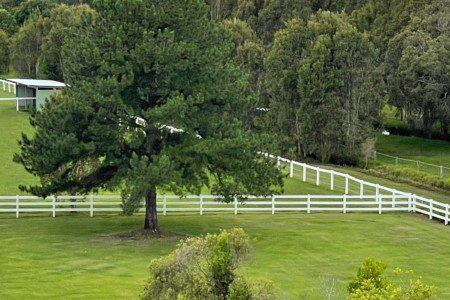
column 11, row 88
column 91, row 204
column 8, row 86
column 441, row 171
column 367, row 197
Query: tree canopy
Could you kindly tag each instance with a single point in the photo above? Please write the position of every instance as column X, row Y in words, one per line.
column 155, row 103
column 323, row 87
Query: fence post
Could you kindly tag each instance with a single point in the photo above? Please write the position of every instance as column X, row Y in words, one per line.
column 17, row 206
column 418, row 165
column 278, row 162
column 441, row 171
column 164, row 205
column 377, row 192
column 235, row 205
column 304, row 172
column 447, row 208
column 308, row 204
column 91, row 205
column 409, row 202
column 414, row 202
column 273, row 204
column 291, row 171
column 54, row 206
column 344, row 208
column 201, row 204
column 396, row 160
column 17, row 104
column 393, row 198
column 431, row 210
column 346, row 183
column 317, row 176
column 361, row 188
column 332, row 180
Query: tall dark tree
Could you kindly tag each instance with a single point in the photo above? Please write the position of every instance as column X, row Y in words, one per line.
column 416, row 66
column 7, row 22
column 4, row 52
column 155, row 104
column 323, row 86
column 248, row 53
column 62, row 20
column 26, row 46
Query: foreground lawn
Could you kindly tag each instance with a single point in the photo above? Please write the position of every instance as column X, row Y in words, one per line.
column 76, row 257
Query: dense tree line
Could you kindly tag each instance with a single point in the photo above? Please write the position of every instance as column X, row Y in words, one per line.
column 406, row 43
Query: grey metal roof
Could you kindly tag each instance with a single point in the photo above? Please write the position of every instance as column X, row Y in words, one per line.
column 38, row 83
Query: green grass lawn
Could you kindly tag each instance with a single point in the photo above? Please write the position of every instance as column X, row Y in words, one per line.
column 5, row 94
column 431, row 151
column 76, row 257
column 12, row 123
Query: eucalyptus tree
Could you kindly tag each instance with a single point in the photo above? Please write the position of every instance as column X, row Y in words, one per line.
column 324, row 88
column 416, row 68
column 155, row 104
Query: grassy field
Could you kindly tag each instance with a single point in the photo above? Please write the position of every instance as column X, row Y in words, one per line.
column 77, row 256
column 74, row 256
column 431, row 151
column 12, row 123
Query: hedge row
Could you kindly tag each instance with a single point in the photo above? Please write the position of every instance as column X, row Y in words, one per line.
column 411, row 175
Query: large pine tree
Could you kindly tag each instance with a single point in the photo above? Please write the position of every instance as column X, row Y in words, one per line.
column 155, row 103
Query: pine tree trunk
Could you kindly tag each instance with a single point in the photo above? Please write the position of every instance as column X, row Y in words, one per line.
column 151, row 217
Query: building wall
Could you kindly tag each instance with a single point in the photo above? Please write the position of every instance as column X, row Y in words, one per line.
column 41, row 95
column 23, row 92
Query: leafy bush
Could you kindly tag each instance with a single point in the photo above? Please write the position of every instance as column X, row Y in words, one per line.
column 370, row 283
column 405, row 173
column 204, row 268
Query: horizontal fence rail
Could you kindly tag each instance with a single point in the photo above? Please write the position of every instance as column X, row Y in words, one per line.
column 18, row 100
column 352, row 185
column 211, row 203
column 8, row 86
column 358, row 195
column 439, row 170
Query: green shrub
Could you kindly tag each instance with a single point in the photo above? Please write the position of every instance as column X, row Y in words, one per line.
column 408, row 174
column 205, row 268
column 370, row 283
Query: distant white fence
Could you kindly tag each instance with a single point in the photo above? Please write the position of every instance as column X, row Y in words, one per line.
column 8, row 86
column 430, row 207
column 441, row 171
column 19, row 101
column 366, row 196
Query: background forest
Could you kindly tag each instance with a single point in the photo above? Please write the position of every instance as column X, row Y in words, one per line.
column 323, row 76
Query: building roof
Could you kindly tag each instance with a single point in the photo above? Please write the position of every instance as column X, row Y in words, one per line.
column 38, row 83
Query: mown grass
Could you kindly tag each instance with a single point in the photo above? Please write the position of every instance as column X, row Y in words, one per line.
column 431, row 151
column 76, row 257
column 12, row 124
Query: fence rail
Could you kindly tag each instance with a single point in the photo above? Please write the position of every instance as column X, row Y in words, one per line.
column 18, row 100
column 439, row 170
column 8, row 86
column 93, row 204
column 368, row 197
